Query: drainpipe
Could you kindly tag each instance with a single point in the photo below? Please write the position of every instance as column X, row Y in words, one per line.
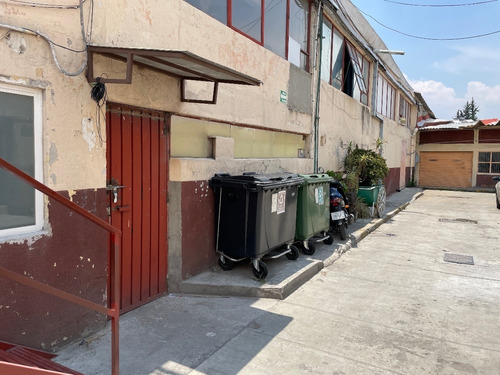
column 316, row 112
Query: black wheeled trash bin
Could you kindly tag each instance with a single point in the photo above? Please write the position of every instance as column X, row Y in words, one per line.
column 255, row 218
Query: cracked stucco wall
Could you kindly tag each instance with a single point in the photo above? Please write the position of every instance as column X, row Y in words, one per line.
column 74, row 157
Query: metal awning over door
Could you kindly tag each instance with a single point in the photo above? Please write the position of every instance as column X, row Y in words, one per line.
column 179, row 64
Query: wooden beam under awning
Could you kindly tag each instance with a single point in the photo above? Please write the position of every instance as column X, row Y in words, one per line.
column 179, row 64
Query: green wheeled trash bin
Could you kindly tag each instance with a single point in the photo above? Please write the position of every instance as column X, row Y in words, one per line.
column 255, row 218
column 313, row 212
column 374, row 196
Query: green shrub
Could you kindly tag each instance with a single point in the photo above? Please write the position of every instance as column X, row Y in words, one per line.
column 362, row 209
column 340, row 177
column 370, row 166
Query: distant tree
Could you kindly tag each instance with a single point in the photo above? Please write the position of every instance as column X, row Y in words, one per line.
column 473, row 110
column 469, row 112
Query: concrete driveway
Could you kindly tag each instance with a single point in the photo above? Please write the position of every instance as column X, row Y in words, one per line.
column 391, row 305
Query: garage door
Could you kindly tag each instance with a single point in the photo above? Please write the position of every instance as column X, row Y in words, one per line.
column 445, row 169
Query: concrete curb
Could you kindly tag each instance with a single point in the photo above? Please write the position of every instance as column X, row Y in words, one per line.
column 279, row 291
column 357, row 236
column 210, row 284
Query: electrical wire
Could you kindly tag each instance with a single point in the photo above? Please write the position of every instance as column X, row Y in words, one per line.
column 441, row 5
column 428, row 38
column 42, row 5
column 39, row 33
column 99, row 94
column 90, row 21
column 52, row 44
column 255, row 22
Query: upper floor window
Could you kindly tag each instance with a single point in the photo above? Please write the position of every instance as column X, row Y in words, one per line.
column 386, row 97
column 21, row 206
column 404, row 111
column 342, row 65
column 281, row 26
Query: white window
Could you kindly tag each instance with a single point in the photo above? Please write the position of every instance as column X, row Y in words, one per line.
column 342, row 65
column 21, row 206
column 404, row 111
column 386, row 98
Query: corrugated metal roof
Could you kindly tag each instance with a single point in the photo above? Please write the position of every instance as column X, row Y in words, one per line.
column 437, row 124
column 490, row 122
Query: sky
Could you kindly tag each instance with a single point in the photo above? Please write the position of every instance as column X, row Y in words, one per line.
column 446, row 73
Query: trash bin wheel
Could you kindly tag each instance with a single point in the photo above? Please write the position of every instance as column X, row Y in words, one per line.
column 329, row 240
column 293, row 254
column 225, row 263
column 260, row 273
column 310, row 249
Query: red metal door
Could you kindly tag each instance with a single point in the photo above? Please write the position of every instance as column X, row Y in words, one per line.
column 137, row 173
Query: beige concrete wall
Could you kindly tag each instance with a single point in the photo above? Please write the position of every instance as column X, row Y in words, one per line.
column 348, row 121
column 191, row 169
column 194, row 138
column 394, row 135
column 188, row 29
column 176, row 25
column 73, row 154
column 74, row 157
column 343, row 121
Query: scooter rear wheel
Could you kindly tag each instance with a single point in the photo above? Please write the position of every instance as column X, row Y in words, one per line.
column 342, row 232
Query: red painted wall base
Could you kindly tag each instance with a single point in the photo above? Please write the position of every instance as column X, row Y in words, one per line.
column 71, row 255
column 198, row 234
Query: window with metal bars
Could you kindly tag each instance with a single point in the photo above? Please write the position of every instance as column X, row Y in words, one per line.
column 489, row 162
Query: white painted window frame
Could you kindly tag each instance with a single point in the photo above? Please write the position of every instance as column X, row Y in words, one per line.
column 386, row 98
column 36, row 94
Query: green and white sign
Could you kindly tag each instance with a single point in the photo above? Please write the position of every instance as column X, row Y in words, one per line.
column 283, row 96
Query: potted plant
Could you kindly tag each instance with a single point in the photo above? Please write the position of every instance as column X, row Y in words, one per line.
column 370, row 168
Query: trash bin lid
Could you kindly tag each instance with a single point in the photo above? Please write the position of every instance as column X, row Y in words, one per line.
column 251, row 180
column 315, row 178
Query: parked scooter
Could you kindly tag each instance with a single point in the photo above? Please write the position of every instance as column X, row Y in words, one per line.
column 340, row 216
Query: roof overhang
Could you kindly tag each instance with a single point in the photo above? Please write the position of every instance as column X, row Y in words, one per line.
column 422, row 101
column 183, row 65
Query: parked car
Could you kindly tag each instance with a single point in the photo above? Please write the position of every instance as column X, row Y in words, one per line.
column 497, row 190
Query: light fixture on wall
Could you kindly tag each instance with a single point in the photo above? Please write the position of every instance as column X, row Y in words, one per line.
column 389, row 51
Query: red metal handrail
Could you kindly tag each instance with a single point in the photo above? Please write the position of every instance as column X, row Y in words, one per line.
column 114, row 311
column 7, row 368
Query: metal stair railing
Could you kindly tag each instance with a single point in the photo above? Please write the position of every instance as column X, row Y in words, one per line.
column 113, row 277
